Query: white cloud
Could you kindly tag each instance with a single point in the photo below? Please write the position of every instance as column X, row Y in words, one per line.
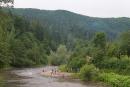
column 97, row 8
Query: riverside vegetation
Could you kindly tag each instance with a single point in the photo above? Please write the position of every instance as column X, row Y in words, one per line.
column 29, row 43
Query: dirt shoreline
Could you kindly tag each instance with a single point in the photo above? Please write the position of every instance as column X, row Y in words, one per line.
column 56, row 75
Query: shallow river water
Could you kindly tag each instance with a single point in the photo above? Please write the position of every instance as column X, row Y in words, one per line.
column 30, row 77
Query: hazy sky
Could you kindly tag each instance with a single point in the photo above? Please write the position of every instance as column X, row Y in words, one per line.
column 96, row 8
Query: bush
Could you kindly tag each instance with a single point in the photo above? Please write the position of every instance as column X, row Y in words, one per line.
column 121, row 66
column 61, row 56
column 115, row 80
column 63, row 68
column 76, row 63
column 88, row 72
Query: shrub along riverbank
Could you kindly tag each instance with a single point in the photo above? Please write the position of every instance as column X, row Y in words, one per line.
column 115, row 80
column 91, row 73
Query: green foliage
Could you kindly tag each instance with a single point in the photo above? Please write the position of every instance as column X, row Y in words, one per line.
column 100, row 40
column 88, row 72
column 61, row 56
column 115, row 80
column 5, row 56
column 5, row 53
column 97, row 48
column 113, row 50
column 79, row 56
column 68, row 25
column 19, row 46
column 98, row 56
column 26, row 42
column 125, row 43
column 76, row 63
column 117, row 65
column 63, row 68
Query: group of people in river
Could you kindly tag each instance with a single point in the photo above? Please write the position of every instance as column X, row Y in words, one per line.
column 54, row 73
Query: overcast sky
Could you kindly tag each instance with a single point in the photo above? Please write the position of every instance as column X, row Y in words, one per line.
column 95, row 8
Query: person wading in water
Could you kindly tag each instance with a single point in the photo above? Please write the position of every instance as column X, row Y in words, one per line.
column 52, row 72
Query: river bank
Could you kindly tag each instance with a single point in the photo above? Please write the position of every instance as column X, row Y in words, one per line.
column 57, row 74
column 30, row 77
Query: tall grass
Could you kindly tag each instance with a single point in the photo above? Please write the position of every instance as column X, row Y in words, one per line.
column 115, row 80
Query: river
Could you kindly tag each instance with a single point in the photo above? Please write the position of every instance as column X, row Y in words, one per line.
column 30, row 77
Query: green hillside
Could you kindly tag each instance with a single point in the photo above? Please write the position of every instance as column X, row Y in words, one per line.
column 91, row 49
column 66, row 23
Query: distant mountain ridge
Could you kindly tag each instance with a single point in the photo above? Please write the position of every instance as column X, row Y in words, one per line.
column 69, row 23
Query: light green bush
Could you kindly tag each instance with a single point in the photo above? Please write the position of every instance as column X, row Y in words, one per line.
column 115, row 80
column 63, row 68
column 121, row 66
column 61, row 56
column 88, row 72
column 76, row 63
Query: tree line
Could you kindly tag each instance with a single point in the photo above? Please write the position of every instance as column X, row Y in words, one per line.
column 21, row 42
column 27, row 43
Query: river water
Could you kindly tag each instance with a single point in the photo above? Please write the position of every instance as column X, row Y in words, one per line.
column 30, row 77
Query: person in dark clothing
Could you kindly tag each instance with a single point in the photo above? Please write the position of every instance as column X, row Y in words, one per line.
column 43, row 70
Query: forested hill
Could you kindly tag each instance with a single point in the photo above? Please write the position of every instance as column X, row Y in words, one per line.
column 72, row 24
column 66, row 39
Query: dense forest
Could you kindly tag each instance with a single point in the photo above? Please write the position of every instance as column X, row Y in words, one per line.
column 68, row 24
column 93, row 48
column 23, row 43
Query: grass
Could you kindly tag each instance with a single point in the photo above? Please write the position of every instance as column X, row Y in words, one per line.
column 115, row 80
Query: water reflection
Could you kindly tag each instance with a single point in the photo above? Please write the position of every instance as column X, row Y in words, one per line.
column 9, row 79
